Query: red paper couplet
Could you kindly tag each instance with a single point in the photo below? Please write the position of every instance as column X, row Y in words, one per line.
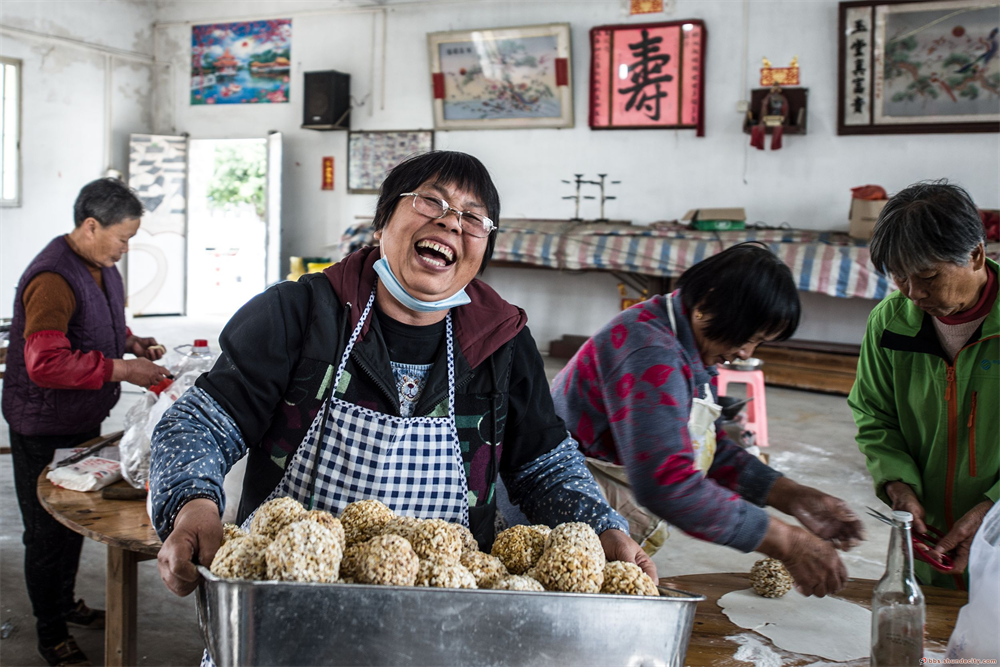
column 562, row 72
column 327, row 173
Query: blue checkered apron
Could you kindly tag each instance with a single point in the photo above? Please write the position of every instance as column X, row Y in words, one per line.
column 412, row 464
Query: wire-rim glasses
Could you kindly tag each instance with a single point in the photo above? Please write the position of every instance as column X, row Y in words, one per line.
column 472, row 224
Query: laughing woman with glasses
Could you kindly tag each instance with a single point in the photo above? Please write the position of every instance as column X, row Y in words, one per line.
column 395, row 359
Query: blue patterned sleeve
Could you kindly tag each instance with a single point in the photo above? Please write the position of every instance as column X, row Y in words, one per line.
column 193, row 447
column 557, row 487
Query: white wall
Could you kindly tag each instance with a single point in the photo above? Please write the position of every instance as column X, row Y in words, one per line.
column 63, row 108
column 663, row 173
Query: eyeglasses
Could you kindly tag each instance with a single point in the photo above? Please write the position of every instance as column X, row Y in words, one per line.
column 472, row 224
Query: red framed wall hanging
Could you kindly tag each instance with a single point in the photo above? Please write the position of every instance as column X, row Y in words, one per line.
column 648, row 76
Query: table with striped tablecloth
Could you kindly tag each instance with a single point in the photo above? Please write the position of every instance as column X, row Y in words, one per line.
column 829, row 263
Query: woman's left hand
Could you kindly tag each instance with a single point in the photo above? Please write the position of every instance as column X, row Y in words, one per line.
column 960, row 537
column 619, row 546
column 146, row 348
column 827, row 517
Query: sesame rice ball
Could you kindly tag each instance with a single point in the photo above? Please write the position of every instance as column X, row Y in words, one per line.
column 465, row 535
column 387, row 560
column 519, row 547
column 517, row 582
column 231, row 530
column 304, row 551
column 575, row 534
column 328, row 520
column 571, row 569
column 769, row 578
column 349, row 563
column 435, row 539
column 274, row 515
column 364, row 519
column 403, row 526
column 444, row 574
column 621, row 578
column 485, row 568
column 241, row 557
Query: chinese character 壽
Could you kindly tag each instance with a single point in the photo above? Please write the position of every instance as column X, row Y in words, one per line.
column 647, row 71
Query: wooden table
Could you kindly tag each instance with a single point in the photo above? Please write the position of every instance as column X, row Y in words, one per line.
column 709, row 646
column 125, row 527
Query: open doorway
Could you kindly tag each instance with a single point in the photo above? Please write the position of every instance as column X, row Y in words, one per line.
column 227, row 235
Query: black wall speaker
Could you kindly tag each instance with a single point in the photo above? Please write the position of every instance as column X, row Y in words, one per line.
column 327, row 103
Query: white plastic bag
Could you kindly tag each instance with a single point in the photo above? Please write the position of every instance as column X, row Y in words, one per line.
column 186, row 362
column 134, row 445
column 90, row 474
column 975, row 634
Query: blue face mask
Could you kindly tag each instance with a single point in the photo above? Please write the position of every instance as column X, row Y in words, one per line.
column 398, row 292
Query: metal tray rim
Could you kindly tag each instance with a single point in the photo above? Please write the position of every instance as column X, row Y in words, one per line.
column 675, row 595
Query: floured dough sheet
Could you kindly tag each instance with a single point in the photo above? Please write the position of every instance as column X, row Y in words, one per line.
column 829, row 627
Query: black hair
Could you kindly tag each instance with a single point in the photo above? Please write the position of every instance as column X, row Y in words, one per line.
column 744, row 290
column 927, row 223
column 459, row 170
column 107, row 200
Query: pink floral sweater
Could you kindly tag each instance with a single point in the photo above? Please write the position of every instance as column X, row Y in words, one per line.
column 626, row 397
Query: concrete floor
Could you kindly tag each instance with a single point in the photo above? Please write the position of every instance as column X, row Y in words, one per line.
column 812, row 441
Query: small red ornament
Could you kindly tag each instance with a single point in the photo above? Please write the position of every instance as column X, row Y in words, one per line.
column 327, row 173
column 958, row 31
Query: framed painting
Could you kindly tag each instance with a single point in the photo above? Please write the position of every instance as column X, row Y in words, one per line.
column 918, row 67
column 241, row 63
column 648, row 76
column 502, row 78
column 370, row 156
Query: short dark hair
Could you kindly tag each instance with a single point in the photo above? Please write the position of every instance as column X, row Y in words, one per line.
column 447, row 168
column 107, row 200
column 744, row 290
column 927, row 223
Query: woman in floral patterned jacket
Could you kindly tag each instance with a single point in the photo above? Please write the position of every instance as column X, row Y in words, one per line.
column 640, row 398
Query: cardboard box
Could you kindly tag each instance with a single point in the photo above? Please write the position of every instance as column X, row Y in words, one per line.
column 716, row 219
column 863, row 216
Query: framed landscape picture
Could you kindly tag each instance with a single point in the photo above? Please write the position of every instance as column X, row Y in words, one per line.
column 502, row 78
column 241, row 63
column 370, row 156
column 648, row 76
column 918, row 67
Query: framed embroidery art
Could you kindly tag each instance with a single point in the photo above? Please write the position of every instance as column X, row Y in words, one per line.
column 502, row 78
column 918, row 67
column 648, row 75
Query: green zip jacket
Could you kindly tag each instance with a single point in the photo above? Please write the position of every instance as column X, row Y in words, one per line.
column 926, row 420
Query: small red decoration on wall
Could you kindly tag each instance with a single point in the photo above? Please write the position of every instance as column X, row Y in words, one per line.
column 645, row 7
column 328, row 173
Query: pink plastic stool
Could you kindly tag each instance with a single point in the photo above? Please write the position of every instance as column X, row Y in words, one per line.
column 757, row 408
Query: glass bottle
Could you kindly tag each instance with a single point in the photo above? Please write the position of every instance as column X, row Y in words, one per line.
column 898, row 603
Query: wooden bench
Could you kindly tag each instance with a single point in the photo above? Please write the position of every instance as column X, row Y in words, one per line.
column 813, row 365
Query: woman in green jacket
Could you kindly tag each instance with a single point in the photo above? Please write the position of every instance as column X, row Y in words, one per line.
column 928, row 387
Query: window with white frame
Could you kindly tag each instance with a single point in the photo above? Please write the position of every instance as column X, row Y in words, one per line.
column 10, row 131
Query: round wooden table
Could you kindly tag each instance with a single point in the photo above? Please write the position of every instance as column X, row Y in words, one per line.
column 125, row 527
column 709, row 646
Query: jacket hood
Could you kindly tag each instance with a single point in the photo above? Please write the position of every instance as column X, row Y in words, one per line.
column 481, row 327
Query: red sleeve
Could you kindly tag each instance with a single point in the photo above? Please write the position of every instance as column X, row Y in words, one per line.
column 52, row 363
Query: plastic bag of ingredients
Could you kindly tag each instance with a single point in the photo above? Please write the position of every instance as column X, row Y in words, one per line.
column 975, row 634
column 186, row 362
column 90, row 474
